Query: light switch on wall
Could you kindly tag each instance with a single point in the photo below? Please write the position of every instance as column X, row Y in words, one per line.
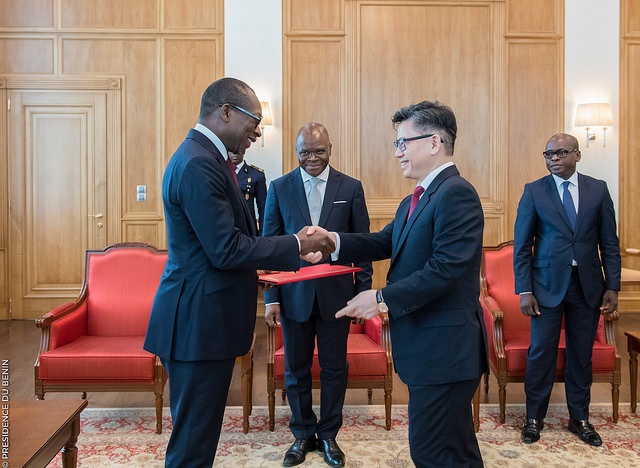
column 141, row 193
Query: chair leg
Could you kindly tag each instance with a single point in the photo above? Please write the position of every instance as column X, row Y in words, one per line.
column 502, row 396
column 247, row 371
column 387, row 409
column 284, row 395
column 271, row 398
column 633, row 377
column 615, row 398
column 476, row 409
column 158, row 412
column 369, row 395
column 83, row 395
column 486, row 382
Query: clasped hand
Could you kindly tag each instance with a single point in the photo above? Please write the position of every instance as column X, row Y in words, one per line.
column 316, row 243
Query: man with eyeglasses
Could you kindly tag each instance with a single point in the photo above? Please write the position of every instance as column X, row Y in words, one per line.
column 204, row 311
column 432, row 291
column 315, row 193
column 564, row 239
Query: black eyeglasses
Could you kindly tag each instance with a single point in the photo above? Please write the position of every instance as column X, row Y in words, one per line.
column 319, row 153
column 562, row 153
column 244, row 111
column 401, row 143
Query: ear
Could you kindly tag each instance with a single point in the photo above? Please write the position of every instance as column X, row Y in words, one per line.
column 436, row 144
column 578, row 155
column 225, row 112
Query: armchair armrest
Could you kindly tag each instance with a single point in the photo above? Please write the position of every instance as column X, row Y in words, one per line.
column 63, row 324
column 373, row 329
column 493, row 317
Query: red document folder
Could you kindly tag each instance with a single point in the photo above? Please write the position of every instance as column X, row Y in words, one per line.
column 306, row 273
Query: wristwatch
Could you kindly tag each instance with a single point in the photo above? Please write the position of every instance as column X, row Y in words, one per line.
column 382, row 307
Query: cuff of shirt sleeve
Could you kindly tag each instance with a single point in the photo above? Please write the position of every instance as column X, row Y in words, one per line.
column 336, row 253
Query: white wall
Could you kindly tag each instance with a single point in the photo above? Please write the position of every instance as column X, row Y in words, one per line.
column 592, row 74
column 253, row 53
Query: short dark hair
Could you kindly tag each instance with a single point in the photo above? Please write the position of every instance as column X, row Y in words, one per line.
column 224, row 90
column 431, row 117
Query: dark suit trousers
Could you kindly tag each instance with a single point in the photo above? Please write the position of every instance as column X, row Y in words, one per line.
column 441, row 425
column 581, row 324
column 198, row 395
column 299, row 343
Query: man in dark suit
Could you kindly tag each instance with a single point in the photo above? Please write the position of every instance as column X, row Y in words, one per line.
column 306, row 309
column 564, row 237
column 253, row 186
column 435, row 246
column 204, row 311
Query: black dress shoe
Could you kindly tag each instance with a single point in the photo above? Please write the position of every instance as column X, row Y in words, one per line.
column 298, row 451
column 585, row 431
column 332, row 453
column 531, row 430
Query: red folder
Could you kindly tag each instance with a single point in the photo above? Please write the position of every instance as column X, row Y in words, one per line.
column 321, row 270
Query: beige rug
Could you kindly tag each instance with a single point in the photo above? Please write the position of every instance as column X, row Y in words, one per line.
column 126, row 438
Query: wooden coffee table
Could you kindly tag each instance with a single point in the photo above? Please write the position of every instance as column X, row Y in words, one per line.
column 40, row 428
column 633, row 346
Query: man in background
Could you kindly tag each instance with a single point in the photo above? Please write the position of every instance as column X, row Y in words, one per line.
column 316, row 194
column 253, row 186
column 564, row 238
column 204, row 311
column 432, row 292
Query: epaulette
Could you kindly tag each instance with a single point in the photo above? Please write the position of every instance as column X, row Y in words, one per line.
column 261, row 170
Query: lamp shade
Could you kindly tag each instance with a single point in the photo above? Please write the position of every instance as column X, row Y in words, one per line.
column 267, row 117
column 595, row 114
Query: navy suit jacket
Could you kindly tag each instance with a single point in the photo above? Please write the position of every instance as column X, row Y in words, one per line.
column 542, row 224
column 343, row 209
column 205, row 306
column 435, row 318
column 253, row 186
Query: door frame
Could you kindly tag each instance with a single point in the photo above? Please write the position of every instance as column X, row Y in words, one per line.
column 112, row 86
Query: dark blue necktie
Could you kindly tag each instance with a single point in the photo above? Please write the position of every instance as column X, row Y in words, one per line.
column 567, row 201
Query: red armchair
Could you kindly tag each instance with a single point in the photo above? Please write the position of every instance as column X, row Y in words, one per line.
column 368, row 354
column 95, row 343
column 508, row 331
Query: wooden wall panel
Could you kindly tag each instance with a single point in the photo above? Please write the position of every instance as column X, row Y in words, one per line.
column 315, row 88
column 435, row 59
column 109, row 14
column 630, row 17
column 4, row 291
column 199, row 14
column 26, row 55
column 534, row 91
column 143, row 231
column 534, row 16
column 137, row 59
column 314, row 16
column 186, row 61
column 26, row 13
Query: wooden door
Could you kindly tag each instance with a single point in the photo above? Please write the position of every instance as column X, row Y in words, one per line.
column 57, row 192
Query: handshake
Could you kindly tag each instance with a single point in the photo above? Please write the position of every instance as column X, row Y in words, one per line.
column 316, row 243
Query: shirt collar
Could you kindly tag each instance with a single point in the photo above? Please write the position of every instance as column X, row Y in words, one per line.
column 559, row 180
column 239, row 166
column 433, row 174
column 214, row 139
column 324, row 175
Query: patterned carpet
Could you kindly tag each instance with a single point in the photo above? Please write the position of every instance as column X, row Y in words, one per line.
column 126, row 438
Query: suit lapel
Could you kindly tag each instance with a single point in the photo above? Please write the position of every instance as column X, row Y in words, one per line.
column 422, row 203
column 213, row 149
column 583, row 199
column 554, row 195
column 330, row 193
column 299, row 195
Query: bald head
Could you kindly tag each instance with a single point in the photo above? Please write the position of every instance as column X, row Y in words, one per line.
column 567, row 141
column 562, row 154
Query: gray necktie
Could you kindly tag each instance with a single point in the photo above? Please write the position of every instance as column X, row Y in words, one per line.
column 315, row 201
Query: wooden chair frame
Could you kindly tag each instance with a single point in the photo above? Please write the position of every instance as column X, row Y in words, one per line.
column 44, row 323
column 500, row 371
column 386, row 384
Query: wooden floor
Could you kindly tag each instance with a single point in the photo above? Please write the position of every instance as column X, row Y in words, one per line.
column 19, row 342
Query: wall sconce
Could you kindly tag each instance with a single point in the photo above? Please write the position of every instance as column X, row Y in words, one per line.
column 595, row 114
column 267, row 117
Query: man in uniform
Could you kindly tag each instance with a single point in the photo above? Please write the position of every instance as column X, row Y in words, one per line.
column 253, row 186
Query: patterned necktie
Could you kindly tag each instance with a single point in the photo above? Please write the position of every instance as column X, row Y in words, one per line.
column 232, row 168
column 315, row 201
column 414, row 199
column 567, row 201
